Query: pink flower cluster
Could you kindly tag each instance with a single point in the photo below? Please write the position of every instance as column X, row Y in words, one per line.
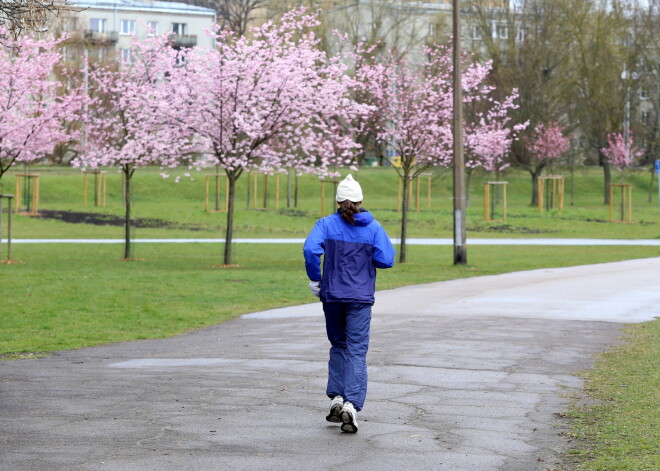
column 621, row 152
column 412, row 110
column 269, row 102
column 548, row 142
column 124, row 121
column 32, row 111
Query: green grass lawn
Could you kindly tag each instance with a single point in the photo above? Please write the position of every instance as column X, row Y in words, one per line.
column 68, row 296
column 617, row 429
column 180, row 207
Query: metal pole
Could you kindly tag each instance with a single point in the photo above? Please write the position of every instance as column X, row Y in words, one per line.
column 460, row 246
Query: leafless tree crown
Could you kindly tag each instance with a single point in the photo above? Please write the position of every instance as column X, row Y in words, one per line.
column 19, row 16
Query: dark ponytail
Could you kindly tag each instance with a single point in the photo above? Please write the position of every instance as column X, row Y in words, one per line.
column 349, row 210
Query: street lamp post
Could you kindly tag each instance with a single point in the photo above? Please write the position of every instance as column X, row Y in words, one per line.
column 460, row 246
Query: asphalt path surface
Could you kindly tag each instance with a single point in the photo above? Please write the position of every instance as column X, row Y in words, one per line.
column 469, row 374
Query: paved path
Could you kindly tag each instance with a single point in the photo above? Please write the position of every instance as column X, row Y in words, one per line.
column 464, row 375
column 414, row 241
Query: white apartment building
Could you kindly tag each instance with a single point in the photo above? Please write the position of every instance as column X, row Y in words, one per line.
column 104, row 27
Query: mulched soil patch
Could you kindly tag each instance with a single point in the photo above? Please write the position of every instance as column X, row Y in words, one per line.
column 516, row 230
column 111, row 220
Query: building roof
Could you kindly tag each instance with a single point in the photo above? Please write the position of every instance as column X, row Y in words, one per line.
column 144, row 5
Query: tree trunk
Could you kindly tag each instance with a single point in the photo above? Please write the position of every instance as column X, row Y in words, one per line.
column 128, row 175
column 496, row 200
column 249, row 191
column 468, row 190
column 229, row 234
column 535, row 172
column 288, row 188
column 217, row 188
column 607, row 179
column 404, row 218
column 572, row 170
column 535, row 189
column 650, row 200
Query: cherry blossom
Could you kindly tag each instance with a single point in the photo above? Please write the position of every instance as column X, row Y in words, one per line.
column 124, row 125
column 546, row 145
column 32, row 109
column 270, row 101
column 621, row 152
column 413, row 112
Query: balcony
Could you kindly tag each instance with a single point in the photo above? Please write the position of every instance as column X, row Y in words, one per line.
column 108, row 37
column 184, row 40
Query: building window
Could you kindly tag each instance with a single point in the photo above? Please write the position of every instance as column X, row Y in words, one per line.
column 645, row 118
column 127, row 27
column 180, row 28
column 643, row 94
column 126, row 56
column 70, row 23
column 98, row 25
column 152, row 28
column 433, row 30
column 476, row 34
column 70, row 53
column 501, row 31
column 98, row 53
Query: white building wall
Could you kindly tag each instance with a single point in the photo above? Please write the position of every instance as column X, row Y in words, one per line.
column 196, row 19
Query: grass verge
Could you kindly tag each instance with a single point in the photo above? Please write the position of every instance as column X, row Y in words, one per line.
column 617, row 430
column 68, row 296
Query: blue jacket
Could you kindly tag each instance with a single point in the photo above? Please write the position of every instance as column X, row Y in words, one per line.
column 351, row 255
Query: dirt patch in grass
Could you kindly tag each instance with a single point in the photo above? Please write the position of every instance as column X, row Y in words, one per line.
column 99, row 219
column 506, row 228
column 296, row 213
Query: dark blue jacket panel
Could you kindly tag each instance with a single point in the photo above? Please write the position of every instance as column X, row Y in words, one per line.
column 351, row 254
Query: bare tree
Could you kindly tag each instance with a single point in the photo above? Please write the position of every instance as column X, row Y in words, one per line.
column 237, row 15
column 403, row 27
column 520, row 39
column 577, row 62
column 646, row 121
column 597, row 73
column 19, row 16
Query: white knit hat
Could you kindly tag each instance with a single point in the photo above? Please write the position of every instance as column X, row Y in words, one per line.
column 349, row 189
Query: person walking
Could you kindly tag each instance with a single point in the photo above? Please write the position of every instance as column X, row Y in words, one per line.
column 353, row 244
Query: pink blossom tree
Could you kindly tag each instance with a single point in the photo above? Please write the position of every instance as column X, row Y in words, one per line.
column 124, row 125
column 268, row 101
column 546, row 145
column 488, row 137
column 32, row 109
column 621, row 152
column 414, row 102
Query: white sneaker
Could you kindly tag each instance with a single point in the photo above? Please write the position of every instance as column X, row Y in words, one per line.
column 349, row 418
column 335, row 410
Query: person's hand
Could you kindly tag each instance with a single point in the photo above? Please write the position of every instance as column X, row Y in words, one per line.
column 314, row 287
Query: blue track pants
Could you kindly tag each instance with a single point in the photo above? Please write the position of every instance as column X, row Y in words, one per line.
column 347, row 325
